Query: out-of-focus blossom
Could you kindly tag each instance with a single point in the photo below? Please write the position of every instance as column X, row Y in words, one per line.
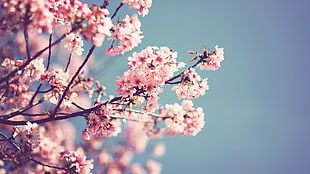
column 74, row 43
column 159, row 150
column 76, row 161
column 27, row 136
column 101, row 126
column 183, row 119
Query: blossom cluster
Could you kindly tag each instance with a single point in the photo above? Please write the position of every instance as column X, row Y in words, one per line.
column 18, row 93
column 42, row 16
column 142, row 5
column 92, row 22
column 191, row 85
column 184, row 119
column 101, row 126
column 149, row 69
column 127, row 35
column 74, row 43
column 76, row 161
column 27, row 136
column 35, row 14
column 213, row 60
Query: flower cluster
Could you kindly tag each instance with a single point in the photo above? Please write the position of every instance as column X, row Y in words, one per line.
column 101, row 126
column 183, row 119
column 119, row 160
column 150, row 68
column 191, row 86
column 127, row 34
column 42, row 16
column 18, row 93
column 35, row 14
column 142, row 5
column 27, row 136
column 74, row 43
column 92, row 22
column 97, row 25
column 76, row 161
column 58, row 80
column 214, row 60
column 134, row 130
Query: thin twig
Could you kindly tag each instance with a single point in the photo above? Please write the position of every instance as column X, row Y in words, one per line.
column 78, row 106
column 202, row 58
column 49, row 52
column 68, row 63
column 26, row 36
column 46, row 165
column 117, row 9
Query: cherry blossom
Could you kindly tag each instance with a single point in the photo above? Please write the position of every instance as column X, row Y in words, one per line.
column 214, row 60
column 40, row 18
column 191, row 86
column 101, row 126
column 142, row 5
column 74, row 43
column 27, row 136
column 153, row 167
column 183, row 119
column 150, row 69
column 76, row 161
column 127, row 34
column 159, row 150
column 135, row 130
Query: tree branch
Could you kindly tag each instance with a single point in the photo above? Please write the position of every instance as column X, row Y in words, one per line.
column 117, row 9
column 72, row 80
column 28, row 61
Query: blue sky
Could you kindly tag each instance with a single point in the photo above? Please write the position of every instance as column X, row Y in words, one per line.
column 257, row 108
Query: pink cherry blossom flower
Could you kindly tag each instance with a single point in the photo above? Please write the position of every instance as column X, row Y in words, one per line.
column 191, row 86
column 183, row 119
column 74, row 43
column 153, row 167
column 40, row 18
column 150, row 68
column 136, row 137
column 194, row 121
column 137, row 169
column 76, row 161
column 127, row 34
column 142, row 5
column 214, row 60
column 27, row 136
column 159, row 150
column 101, row 126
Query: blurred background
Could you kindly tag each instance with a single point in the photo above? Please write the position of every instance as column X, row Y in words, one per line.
column 257, row 109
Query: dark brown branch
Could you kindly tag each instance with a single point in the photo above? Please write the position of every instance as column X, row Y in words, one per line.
column 68, row 63
column 29, row 60
column 202, row 59
column 21, row 112
column 72, row 80
column 117, row 9
column 46, row 165
column 49, row 52
column 71, row 115
column 26, row 36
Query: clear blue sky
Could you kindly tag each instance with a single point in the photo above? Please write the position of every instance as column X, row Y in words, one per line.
column 257, row 108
